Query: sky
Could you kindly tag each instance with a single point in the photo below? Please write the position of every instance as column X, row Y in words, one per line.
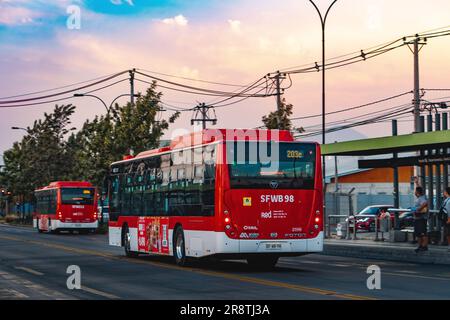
column 223, row 41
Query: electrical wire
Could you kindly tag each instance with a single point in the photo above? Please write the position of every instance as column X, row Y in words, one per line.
column 64, row 92
column 363, row 56
column 57, row 88
column 216, row 92
column 192, row 79
column 354, row 108
column 360, row 123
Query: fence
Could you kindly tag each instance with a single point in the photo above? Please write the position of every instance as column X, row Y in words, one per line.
column 389, row 223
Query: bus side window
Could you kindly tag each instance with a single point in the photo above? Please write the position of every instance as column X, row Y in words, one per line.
column 52, row 204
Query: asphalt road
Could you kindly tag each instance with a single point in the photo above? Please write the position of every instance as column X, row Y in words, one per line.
column 33, row 266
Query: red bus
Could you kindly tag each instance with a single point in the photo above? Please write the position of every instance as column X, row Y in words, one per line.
column 232, row 194
column 66, row 206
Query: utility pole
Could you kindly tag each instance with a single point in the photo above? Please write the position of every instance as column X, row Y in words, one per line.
column 202, row 114
column 417, row 45
column 278, row 78
column 396, row 177
column 132, row 86
column 336, row 192
column 278, row 85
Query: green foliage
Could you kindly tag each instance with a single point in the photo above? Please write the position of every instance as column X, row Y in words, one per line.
column 271, row 120
column 51, row 151
column 128, row 129
column 41, row 156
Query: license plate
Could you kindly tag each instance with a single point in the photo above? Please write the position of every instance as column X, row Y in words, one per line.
column 273, row 246
column 77, row 224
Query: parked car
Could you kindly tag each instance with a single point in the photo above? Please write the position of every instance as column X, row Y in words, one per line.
column 368, row 223
column 406, row 219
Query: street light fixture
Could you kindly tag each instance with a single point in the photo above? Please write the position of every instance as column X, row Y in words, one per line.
column 323, row 20
column 19, row 128
column 108, row 109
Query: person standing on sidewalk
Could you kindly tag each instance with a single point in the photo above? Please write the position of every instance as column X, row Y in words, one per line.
column 420, row 217
column 444, row 214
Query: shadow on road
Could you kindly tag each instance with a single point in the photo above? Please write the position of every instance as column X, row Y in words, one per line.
column 229, row 266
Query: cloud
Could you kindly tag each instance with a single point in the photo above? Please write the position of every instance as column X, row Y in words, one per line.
column 16, row 16
column 235, row 25
column 178, row 20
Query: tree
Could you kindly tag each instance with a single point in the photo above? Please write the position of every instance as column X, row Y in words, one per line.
column 41, row 156
column 129, row 128
column 271, row 120
column 51, row 151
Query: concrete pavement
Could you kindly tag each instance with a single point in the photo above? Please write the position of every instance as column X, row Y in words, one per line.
column 33, row 266
column 398, row 251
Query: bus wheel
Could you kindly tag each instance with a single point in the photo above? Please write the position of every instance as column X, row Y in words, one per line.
column 127, row 243
column 262, row 262
column 179, row 250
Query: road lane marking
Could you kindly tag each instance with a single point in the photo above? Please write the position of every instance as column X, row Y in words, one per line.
column 416, row 276
column 408, row 271
column 6, row 294
column 309, row 262
column 52, row 294
column 339, row 265
column 99, row 293
column 259, row 281
column 36, row 273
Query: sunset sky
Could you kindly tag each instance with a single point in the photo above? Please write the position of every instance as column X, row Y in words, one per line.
column 224, row 41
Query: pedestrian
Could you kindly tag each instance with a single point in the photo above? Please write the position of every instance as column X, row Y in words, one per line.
column 420, row 217
column 444, row 214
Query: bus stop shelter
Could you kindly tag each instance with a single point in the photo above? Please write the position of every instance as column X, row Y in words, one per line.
column 431, row 155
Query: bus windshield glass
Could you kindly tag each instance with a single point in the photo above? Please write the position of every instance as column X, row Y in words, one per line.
column 77, row 196
column 276, row 165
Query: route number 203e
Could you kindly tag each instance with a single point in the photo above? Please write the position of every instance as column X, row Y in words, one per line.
column 294, row 154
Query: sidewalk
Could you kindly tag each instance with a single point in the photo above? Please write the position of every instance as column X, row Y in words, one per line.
column 399, row 251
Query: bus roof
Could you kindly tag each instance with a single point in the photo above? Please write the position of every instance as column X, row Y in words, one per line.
column 66, row 184
column 216, row 135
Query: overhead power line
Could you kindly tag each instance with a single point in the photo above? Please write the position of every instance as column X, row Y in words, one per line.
column 354, row 108
column 193, row 79
column 5, row 102
column 372, row 120
column 364, row 54
column 57, row 88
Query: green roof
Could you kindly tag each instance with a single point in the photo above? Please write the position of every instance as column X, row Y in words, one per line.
column 391, row 144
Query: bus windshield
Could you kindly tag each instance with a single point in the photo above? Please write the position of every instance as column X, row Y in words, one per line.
column 271, row 165
column 77, row 196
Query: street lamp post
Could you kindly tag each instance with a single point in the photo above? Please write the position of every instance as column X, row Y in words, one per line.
column 323, row 20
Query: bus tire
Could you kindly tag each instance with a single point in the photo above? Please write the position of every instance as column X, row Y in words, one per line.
column 179, row 248
column 126, row 240
column 262, row 262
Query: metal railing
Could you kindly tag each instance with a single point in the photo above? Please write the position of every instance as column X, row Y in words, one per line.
column 434, row 224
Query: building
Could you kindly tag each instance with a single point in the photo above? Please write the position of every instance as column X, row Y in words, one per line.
column 373, row 181
column 371, row 187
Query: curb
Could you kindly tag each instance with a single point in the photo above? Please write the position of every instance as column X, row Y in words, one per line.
column 432, row 256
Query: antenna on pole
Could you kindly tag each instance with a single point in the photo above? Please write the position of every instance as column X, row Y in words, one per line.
column 203, row 114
